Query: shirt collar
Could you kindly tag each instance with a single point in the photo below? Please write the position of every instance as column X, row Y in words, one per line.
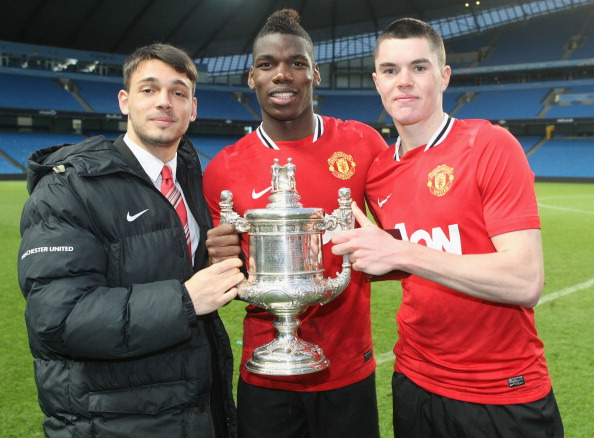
column 151, row 164
column 269, row 143
column 438, row 136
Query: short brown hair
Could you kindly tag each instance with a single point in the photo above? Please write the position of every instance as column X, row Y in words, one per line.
column 170, row 55
column 404, row 28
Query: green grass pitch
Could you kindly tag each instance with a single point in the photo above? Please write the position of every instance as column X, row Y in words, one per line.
column 564, row 315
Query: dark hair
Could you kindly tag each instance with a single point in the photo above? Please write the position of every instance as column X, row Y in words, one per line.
column 172, row 56
column 404, row 28
column 286, row 22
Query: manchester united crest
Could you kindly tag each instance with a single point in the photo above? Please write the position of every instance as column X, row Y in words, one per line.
column 440, row 179
column 341, row 165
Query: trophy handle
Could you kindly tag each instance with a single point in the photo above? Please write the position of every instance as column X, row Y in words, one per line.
column 229, row 216
column 343, row 217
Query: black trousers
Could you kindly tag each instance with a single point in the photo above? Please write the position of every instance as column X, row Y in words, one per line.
column 422, row 414
column 349, row 412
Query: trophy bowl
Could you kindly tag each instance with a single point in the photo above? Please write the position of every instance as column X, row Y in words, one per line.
column 286, row 269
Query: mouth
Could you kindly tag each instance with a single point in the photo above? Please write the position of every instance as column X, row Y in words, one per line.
column 405, row 99
column 162, row 120
column 282, row 97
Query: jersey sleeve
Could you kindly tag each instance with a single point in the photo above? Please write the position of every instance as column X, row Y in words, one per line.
column 374, row 142
column 506, row 182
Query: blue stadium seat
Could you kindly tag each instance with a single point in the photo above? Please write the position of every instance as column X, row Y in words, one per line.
column 221, row 105
column 210, row 145
column 362, row 107
column 35, row 92
column 19, row 145
column 101, row 96
column 505, row 103
column 528, row 141
column 7, row 168
column 564, row 158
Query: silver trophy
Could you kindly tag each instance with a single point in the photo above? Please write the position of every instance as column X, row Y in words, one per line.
column 286, row 269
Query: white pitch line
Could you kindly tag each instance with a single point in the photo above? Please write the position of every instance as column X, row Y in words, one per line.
column 385, row 357
column 572, row 210
column 568, row 290
column 389, row 356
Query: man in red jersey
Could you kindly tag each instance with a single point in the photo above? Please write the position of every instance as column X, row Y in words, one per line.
column 328, row 153
column 468, row 359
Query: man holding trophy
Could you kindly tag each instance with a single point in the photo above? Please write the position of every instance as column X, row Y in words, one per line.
column 461, row 193
column 326, row 155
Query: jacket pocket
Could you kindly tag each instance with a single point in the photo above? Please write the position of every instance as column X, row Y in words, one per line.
column 150, row 399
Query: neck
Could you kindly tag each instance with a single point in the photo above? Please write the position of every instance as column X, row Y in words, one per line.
column 163, row 151
column 417, row 134
column 289, row 130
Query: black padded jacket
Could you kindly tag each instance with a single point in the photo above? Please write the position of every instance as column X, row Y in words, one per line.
column 118, row 349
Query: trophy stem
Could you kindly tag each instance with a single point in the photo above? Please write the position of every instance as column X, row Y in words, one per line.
column 287, row 354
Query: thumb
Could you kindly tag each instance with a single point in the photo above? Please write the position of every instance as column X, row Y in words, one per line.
column 360, row 216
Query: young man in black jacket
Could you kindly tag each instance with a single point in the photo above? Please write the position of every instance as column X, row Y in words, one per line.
column 121, row 297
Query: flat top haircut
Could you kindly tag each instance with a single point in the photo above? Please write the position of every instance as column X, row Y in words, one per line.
column 172, row 56
column 404, row 28
column 286, row 22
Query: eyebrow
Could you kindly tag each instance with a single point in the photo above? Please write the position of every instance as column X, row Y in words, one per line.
column 414, row 61
column 296, row 56
column 154, row 80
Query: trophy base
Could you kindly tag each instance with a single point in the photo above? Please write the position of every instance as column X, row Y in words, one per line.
column 283, row 357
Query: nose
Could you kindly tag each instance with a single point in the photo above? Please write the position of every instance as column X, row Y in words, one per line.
column 283, row 73
column 404, row 78
column 164, row 100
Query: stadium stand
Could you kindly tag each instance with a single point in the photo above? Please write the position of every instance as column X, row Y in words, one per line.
column 209, row 145
column 529, row 141
column 363, row 106
column 520, row 105
column 519, row 44
column 503, row 102
column 19, row 145
column 8, row 168
column 564, row 158
column 575, row 101
column 101, row 96
column 35, row 92
column 222, row 105
column 585, row 41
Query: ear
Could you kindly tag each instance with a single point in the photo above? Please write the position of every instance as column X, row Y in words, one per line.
column 374, row 76
column 317, row 76
column 123, row 101
column 445, row 77
column 194, row 109
column 250, row 80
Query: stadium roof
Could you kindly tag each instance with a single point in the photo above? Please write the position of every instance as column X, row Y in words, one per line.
column 212, row 30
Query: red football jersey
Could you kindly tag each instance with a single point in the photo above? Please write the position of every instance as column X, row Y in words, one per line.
column 471, row 182
column 337, row 155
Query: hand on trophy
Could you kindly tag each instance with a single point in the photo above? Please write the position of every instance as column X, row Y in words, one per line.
column 213, row 287
column 372, row 250
column 222, row 243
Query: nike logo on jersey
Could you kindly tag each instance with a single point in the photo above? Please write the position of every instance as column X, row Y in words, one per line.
column 136, row 216
column 256, row 195
column 381, row 203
